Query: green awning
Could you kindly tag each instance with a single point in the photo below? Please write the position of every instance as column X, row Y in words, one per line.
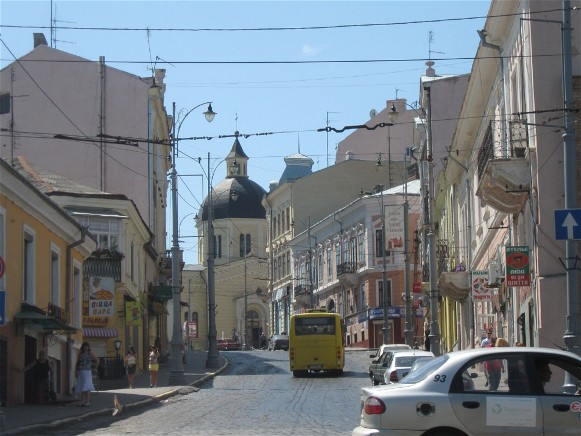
column 42, row 322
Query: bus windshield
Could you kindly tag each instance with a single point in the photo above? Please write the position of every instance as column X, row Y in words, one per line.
column 324, row 325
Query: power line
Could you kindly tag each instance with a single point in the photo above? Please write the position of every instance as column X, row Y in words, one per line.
column 272, row 29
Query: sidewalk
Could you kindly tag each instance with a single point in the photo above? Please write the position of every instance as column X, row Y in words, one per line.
column 29, row 419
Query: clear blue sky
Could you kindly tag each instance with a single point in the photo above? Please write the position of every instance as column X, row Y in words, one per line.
column 266, row 80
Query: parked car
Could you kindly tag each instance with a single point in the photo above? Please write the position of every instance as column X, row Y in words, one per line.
column 450, row 395
column 229, row 344
column 278, row 342
column 400, row 363
column 390, row 347
column 421, row 361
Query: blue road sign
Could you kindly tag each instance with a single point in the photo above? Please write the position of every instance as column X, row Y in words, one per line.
column 2, row 307
column 568, row 224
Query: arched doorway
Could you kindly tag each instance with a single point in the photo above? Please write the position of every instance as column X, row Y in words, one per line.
column 253, row 328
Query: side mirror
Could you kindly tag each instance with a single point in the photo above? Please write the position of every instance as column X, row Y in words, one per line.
column 372, row 356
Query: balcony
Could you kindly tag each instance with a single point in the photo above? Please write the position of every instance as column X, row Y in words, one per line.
column 57, row 313
column 347, row 274
column 303, row 295
column 504, row 174
column 104, row 263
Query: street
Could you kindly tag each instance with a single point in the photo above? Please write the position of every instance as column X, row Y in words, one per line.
column 257, row 394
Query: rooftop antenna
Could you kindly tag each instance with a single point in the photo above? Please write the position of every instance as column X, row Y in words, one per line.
column 328, row 112
column 431, row 39
column 299, row 142
column 53, row 22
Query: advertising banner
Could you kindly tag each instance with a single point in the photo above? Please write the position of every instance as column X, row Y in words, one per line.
column 394, row 234
column 101, row 296
column 193, row 329
column 479, row 285
column 132, row 313
column 517, row 266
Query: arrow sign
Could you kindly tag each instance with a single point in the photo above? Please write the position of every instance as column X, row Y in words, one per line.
column 568, row 224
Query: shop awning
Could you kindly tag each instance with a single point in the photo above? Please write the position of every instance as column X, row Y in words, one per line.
column 99, row 332
column 41, row 321
column 455, row 285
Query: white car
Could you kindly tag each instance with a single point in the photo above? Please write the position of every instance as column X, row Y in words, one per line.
column 400, row 362
column 457, row 394
column 389, row 347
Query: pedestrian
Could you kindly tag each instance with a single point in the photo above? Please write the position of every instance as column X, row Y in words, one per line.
column 427, row 340
column 488, row 340
column 41, row 375
column 492, row 369
column 86, row 363
column 131, row 365
column 153, row 366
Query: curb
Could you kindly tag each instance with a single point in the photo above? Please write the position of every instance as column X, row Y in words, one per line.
column 33, row 428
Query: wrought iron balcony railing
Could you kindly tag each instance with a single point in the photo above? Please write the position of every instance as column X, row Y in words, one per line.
column 346, row 268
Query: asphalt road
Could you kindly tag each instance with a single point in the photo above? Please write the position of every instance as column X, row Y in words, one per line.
column 256, row 395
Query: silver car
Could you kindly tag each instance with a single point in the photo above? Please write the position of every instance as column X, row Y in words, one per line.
column 400, row 363
column 486, row 391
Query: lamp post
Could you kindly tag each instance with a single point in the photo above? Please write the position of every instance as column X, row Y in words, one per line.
column 117, row 344
column 176, row 376
column 212, row 358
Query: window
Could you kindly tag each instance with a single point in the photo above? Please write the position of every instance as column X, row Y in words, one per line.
column 340, row 304
column 288, row 218
column 274, row 226
column 28, row 264
column 363, row 299
column 55, row 275
column 218, row 246
column 245, row 244
column 345, row 251
column 337, row 255
column 283, row 266
column 2, row 243
column 106, row 230
column 329, row 265
column 379, row 243
column 388, row 293
column 78, row 295
column 288, row 263
column 132, row 260
column 275, row 272
column 353, row 250
column 360, row 257
column 320, row 266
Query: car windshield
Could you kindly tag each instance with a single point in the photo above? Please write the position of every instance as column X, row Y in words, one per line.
column 423, row 372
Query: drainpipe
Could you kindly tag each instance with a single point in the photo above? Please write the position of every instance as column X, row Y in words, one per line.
column 68, row 274
column 469, row 263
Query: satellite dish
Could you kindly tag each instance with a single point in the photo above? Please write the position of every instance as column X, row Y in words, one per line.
column 372, row 113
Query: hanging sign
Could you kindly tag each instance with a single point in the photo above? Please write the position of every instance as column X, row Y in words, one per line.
column 479, row 285
column 132, row 313
column 517, row 266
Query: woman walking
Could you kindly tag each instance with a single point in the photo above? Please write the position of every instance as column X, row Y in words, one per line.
column 131, row 365
column 86, row 362
column 153, row 366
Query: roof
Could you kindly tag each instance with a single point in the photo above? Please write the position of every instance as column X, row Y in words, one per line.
column 236, row 197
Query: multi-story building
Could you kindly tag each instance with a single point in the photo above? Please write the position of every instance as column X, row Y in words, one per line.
column 122, row 266
column 240, row 267
column 104, row 129
column 42, row 250
column 503, row 179
column 296, row 203
column 340, row 261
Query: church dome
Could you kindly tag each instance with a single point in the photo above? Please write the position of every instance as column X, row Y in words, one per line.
column 236, row 197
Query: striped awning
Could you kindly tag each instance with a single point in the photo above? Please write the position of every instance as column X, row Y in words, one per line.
column 99, row 332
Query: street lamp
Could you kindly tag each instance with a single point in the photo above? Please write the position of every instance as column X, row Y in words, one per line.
column 176, row 376
column 117, row 344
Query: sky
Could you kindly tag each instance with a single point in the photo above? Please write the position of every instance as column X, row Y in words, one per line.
column 275, row 71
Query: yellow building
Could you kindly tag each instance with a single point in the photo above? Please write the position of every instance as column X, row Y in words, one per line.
column 42, row 250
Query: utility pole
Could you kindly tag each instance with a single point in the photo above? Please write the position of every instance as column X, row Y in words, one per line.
column 212, row 358
column 434, row 293
column 572, row 335
column 408, row 332
column 386, row 301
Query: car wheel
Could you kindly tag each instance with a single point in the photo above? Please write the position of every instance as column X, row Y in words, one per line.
column 444, row 432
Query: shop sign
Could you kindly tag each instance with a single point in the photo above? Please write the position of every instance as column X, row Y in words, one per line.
column 479, row 285
column 517, row 266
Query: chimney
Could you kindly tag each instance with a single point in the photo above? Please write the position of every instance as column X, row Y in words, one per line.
column 430, row 72
column 39, row 39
